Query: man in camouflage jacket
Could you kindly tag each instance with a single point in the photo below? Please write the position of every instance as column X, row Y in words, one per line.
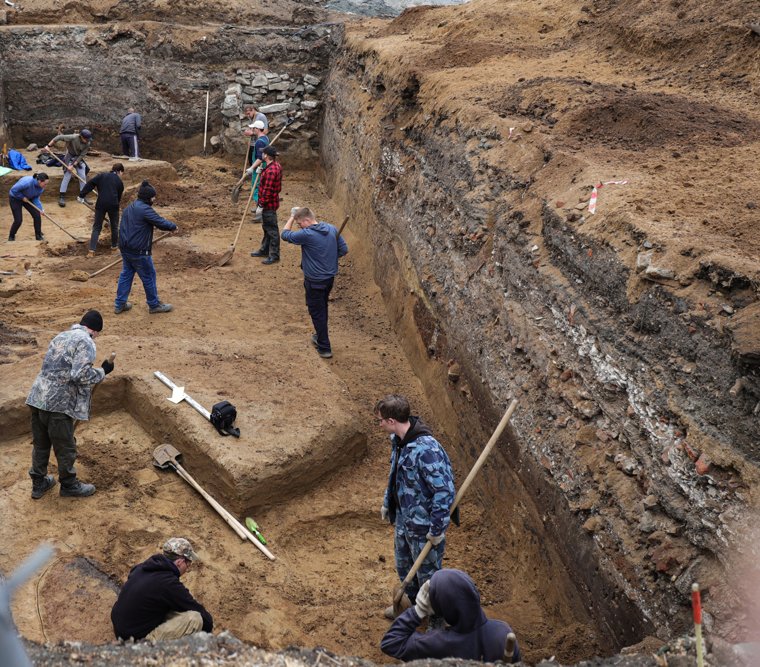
column 420, row 491
column 60, row 396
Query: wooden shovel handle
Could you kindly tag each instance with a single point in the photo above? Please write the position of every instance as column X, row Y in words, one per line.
column 66, row 166
column 116, row 261
column 462, row 490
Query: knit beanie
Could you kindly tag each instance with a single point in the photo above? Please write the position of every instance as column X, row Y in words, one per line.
column 146, row 192
column 92, row 319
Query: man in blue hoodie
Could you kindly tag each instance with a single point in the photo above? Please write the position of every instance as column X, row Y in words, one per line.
column 470, row 635
column 25, row 193
column 154, row 603
column 135, row 244
column 320, row 248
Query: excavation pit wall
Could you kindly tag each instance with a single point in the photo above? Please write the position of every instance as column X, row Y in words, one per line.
column 89, row 75
column 494, row 296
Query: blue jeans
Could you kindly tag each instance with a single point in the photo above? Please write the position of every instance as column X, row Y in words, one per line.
column 317, row 300
column 142, row 265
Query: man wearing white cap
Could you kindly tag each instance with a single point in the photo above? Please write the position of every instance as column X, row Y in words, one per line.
column 253, row 115
column 259, row 142
column 154, row 604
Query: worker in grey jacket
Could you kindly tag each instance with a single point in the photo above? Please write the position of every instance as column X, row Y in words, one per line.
column 77, row 146
column 60, row 396
column 129, row 131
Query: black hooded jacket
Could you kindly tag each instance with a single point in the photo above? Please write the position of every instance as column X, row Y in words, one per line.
column 470, row 635
column 152, row 591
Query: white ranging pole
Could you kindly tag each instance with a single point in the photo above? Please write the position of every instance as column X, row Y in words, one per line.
column 178, row 395
column 205, row 124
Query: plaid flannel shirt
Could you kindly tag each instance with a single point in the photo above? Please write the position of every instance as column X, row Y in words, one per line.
column 270, row 185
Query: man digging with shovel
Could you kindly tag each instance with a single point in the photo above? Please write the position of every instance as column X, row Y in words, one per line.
column 59, row 397
column 419, row 495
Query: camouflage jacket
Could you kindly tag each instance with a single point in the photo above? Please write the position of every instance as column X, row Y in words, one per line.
column 421, row 482
column 67, row 377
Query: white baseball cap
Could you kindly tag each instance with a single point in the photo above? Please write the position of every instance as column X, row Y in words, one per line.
column 257, row 125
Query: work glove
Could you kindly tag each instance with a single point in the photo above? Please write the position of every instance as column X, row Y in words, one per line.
column 384, row 513
column 422, row 605
column 259, row 169
column 435, row 540
column 107, row 366
column 293, row 211
column 80, row 200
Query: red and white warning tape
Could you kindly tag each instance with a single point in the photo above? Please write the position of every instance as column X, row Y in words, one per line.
column 595, row 194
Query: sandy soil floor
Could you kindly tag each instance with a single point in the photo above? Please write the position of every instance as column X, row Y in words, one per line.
column 241, row 332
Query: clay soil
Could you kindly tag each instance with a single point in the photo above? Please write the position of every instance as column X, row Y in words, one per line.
column 240, row 332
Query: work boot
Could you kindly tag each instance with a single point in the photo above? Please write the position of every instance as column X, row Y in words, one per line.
column 271, row 260
column 161, row 308
column 41, row 486
column 258, row 253
column 121, row 309
column 325, row 354
column 11, row 237
column 62, row 200
column 39, row 237
column 90, row 254
column 77, row 490
column 314, row 341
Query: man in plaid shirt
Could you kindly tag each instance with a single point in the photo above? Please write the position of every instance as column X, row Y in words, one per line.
column 270, row 184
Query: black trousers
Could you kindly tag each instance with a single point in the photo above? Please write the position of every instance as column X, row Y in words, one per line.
column 56, row 430
column 97, row 225
column 17, row 207
column 270, row 244
column 317, row 297
column 129, row 144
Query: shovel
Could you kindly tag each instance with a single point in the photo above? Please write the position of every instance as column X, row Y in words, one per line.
column 116, row 261
column 56, row 224
column 166, row 457
column 227, row 256
column 398, row 592
column 66, row 167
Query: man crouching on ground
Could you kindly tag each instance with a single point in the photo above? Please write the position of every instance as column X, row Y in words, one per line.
column 154, row 604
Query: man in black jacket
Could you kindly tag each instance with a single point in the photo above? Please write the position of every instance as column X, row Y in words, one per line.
column 135, row 242
column 110, row 189
column 154, row 604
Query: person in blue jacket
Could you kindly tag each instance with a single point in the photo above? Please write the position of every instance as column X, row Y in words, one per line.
column 470, row 635
column 26, row 194
column 135, row 244
column 320, row 248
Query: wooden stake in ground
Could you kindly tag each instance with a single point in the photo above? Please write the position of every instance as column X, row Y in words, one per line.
column 398, row 592
column 696, row 606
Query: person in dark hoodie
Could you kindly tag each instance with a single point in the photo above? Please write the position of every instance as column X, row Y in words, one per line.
column 320, row 248
column 420, row 491
column 470, row 635
column 154, row 604
column 135, row 244
column 110, row 189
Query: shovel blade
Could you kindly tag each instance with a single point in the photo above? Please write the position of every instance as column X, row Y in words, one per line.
column 235, row 194
column 226, row 257
column 165, row 456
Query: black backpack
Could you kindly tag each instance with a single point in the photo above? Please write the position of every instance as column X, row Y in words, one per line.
column 223, row 417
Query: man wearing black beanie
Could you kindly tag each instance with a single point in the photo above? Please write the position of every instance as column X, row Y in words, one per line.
column 135, row 243
column 60, row 396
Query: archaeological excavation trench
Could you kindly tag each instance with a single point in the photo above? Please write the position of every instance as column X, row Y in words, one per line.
column 476, row 274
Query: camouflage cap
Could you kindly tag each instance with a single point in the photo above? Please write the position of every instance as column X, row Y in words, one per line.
column 179, row 546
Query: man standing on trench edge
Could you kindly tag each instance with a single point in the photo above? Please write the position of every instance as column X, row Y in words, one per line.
column 320, row 248
column 419, row 495
column 60, row 396
column 135, row 243
column 154, row 604
column 270, row 184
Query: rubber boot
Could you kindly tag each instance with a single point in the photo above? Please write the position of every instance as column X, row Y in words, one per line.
column 77, row 490
column 41, row 486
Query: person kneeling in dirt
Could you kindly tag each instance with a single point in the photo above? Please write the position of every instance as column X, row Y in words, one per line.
column 59, row 397
column 154, row 604
column 470, row 635
column 135, row 243
column 110, row 189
